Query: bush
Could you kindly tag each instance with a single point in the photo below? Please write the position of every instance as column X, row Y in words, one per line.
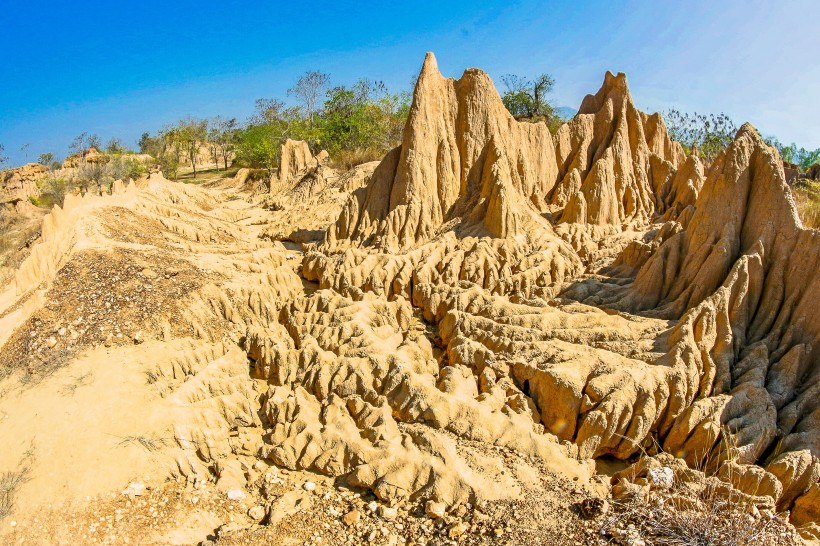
column 125, row 167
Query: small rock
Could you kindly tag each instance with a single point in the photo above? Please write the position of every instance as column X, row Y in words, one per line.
column 435, row 510
column 138, row 338
column 256, row 513
column 388, row 513
column 51, row 342
column 372, row 506
column 236, row 494
column 149, row 273
column 309, row 486
column 457, row 529
column 352, row 517
column 134, row 489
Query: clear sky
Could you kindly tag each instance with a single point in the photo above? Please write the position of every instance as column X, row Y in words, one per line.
column 121, row 68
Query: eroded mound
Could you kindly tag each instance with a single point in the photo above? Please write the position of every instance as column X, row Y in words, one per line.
column 356, row 390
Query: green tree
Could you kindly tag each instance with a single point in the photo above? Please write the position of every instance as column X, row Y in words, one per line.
column 46, row 159
column 192, row 133
column 213, row 141
column 116, row 146
column 360, row 117
column 259, row 146
column 226, row 136
column 150, row 145
column 792, row 154
column 527, row 100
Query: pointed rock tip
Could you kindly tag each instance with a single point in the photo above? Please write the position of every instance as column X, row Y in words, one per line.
column 615, row 86
column 614, row 82
column 748, row 129
column 430, row 64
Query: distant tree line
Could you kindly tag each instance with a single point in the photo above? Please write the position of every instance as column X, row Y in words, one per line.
column 709, row 134
column 353, row 123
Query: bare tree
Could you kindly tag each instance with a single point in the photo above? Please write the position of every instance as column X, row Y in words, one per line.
column 3, row 157
column 268, row 110
column 213, row 139
column 24, row 150
column 94, row 142
column 82, row 143
column 308, row 89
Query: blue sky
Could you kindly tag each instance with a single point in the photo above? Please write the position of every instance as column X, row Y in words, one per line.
column 118, row 69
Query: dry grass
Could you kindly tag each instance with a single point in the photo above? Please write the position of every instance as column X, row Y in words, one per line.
column 203, row 176
column 344, row 160
column 150, row 443
column 11, row 480
column 707, row 518
column 76, row 383
column 807, row 196
column 699, row 509
column 16, row 235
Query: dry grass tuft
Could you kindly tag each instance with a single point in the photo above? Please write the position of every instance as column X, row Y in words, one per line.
column 807, row 196
column 698, row 510
column 150, row 443
column 707, row 518
column 10, row 481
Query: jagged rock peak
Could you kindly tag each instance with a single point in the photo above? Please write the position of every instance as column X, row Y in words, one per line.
column 463, row 158
column 611, row 159
column 614, row 88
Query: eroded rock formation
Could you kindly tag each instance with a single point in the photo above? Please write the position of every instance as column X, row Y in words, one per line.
column 486, row 288
column 479, row 220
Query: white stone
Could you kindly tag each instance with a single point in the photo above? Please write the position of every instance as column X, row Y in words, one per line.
column 134, row 489
column 661, row 478
column 236, row 494
column 388, row 513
